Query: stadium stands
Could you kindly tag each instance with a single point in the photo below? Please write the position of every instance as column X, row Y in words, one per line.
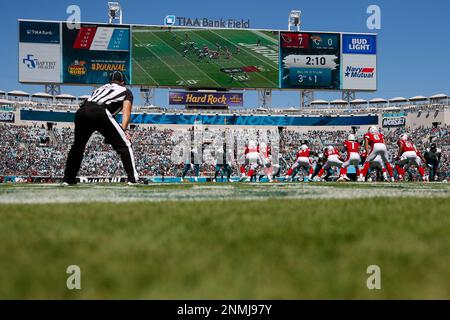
column 29, row 151
column 29, row 148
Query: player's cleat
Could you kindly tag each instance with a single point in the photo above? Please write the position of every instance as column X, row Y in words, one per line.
column 392, row 179
column 195, row 179
column 214, row 180
column 360, row 179
column 341, row 179
column 369, row 179
column 68, row 184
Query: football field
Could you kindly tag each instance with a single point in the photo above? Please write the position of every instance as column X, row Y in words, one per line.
column 205, row 58
column 225, row 241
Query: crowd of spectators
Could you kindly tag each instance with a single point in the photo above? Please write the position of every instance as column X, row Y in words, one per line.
column 36, row 151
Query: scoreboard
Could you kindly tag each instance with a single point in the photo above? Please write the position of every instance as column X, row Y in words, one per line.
column 52, row 52
column 310, row 60
column 93, row 51
column 327, row 61
column 102, row 39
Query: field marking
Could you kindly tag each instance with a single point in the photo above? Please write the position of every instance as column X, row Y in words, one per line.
column 170, row 46
column 245, row 49
column 161, row 60
column 218, row 63
column 139, row 65
column 39, row 194
column 250, row 53
column 263, row 35
column 239, row 61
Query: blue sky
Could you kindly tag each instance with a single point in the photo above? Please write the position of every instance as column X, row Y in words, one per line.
column 413, row 42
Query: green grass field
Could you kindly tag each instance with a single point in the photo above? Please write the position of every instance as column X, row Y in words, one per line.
column 238, row 241
column 159, row 60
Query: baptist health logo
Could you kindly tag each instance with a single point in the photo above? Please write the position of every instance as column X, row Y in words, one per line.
column 31, row 62
column 170, row 20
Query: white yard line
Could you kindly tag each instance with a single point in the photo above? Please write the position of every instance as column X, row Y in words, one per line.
column 154, row 193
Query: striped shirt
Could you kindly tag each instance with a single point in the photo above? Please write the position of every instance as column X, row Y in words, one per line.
column 111, row 96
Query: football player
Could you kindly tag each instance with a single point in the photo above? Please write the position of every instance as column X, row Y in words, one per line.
column 408, row 155
column 334, row 159
column 375, row 145
column 303, row 161
column 353, row 158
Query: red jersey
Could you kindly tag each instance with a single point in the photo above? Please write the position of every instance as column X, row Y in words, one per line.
column 303, row 153
column 351, row 146
column 267, row 153
column 333, row 152
column 406, row 145
column 374, row 138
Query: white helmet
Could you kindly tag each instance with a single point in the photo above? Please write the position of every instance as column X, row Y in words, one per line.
column 262, row 145
column 351, row 137
column 252, row 144
column 404, row 136
column 330, row 148
column 304, row 147
column 373, row 129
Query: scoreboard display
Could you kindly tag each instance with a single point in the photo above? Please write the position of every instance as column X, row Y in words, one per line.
column 54, row 52
column 310, row 60
column 92, row 52
column 102, row 39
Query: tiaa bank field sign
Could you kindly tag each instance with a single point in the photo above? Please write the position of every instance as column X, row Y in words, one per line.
column 172, row 20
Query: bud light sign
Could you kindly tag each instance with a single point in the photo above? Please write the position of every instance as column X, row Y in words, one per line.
column 359, row 44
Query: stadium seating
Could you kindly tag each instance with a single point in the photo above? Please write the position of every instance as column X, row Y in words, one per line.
column 24, row 151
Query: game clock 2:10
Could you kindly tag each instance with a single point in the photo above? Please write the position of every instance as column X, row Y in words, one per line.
column 316, row 61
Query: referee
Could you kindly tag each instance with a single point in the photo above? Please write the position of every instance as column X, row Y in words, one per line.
column 97, row 114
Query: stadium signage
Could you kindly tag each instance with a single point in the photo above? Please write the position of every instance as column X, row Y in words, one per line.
column 393, row 122
column 6, row 117
column 359, row 72
column 210, row 99
column 172, row 20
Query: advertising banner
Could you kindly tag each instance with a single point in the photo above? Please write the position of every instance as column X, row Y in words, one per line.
column 207, row 99
column 359, row 62
column 39, row 52
column 39, row 32
column 393, row 122
column 92, row 52
column 39, row 63
column 6, row 116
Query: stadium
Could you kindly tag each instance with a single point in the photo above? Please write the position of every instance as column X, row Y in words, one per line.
column 233, row 201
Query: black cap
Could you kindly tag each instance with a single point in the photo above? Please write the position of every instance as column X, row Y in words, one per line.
column 117, row 76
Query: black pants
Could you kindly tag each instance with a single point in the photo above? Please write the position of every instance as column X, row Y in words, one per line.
column 91, row 118
column 433, row 170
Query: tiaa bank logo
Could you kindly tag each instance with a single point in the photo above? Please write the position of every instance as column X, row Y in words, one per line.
column 170, row 20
